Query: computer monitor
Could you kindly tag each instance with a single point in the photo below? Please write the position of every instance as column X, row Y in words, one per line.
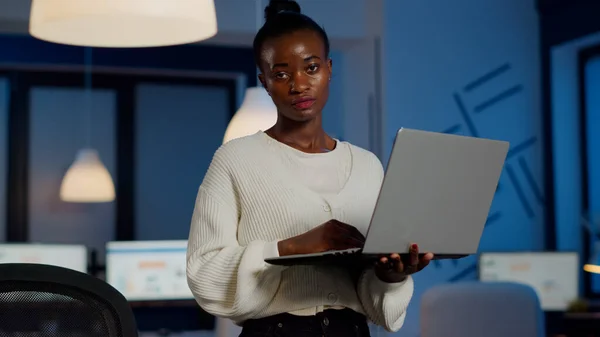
column 148, row 270
column 553, row 275
column 62, row 255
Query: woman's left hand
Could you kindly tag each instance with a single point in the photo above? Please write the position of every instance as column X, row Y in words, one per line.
column 391, row 269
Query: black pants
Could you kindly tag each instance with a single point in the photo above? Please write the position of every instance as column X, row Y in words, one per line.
column 329, row 323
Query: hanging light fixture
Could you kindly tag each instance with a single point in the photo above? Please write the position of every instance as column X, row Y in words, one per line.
column 87, row 179
column 593, row 265
column 257, row 111
column 123, row 23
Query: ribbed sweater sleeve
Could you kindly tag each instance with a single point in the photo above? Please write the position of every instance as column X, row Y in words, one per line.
column 385, row 303
column 228, row 280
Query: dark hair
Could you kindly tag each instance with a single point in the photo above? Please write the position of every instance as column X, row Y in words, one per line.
column 284, row 17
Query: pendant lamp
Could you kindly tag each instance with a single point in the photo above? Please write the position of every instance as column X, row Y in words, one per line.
column 87, row 180
column 593, row 265
column 256, row 113
column 123, row 23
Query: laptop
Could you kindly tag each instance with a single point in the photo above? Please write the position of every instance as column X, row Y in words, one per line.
column 437, row 192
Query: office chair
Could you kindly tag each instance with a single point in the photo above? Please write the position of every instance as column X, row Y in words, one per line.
column 44, row 300
column 475, row 309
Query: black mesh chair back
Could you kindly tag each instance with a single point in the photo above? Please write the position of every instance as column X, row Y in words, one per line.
column 42, row 300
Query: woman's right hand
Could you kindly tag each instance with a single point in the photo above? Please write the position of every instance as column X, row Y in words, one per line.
column 332, row 235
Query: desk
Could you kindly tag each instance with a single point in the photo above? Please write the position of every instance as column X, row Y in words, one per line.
column 172, row 316
column 585, row 324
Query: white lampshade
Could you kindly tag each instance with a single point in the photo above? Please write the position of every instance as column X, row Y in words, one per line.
column 87, row 180
column 593, row 268
column 256, row 113
column 123, row 23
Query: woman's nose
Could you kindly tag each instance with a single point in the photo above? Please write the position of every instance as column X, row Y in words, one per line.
column 299, row 83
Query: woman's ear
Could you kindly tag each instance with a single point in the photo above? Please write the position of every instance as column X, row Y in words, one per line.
column 261, row 79
column 330, row 66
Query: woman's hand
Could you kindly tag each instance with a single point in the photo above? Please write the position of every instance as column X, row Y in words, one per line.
column 332, row 235
column 391, row 269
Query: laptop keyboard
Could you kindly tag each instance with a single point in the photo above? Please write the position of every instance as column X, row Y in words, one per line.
column 347, row 251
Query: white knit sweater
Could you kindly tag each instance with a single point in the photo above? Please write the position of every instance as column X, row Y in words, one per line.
column 247, row 202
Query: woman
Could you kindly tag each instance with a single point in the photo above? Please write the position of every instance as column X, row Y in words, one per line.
column 292, row 190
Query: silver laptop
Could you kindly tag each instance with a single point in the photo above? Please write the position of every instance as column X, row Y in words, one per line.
column 437, row 192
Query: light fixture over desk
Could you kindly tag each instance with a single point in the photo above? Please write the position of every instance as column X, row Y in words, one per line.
column 87, row 179
column 123, row 23
column 257, row 113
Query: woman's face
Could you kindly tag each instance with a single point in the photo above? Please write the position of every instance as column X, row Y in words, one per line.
column 296, row 72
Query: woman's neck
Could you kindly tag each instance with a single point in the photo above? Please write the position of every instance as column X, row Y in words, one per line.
column 306, row 136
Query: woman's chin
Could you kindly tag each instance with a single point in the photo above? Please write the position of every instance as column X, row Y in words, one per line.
column 302, row 115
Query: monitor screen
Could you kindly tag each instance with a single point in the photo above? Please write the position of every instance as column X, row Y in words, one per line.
column 553, row 275
column 148, row 270
column 67, row 256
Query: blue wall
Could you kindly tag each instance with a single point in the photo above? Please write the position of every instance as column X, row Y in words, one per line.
column 566, row 134
column 333, row 114
column 178, row 128
column 459, row 67
column 592, row 88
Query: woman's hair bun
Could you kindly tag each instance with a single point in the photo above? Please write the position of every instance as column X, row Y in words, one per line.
column 277, row 6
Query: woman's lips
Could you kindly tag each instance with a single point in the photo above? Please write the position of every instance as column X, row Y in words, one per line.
column 303, row 103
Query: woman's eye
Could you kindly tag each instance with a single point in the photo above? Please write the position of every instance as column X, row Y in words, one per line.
column 281, row 76
column 313, row 67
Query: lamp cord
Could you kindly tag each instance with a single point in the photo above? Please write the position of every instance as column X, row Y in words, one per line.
column 88, row 96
